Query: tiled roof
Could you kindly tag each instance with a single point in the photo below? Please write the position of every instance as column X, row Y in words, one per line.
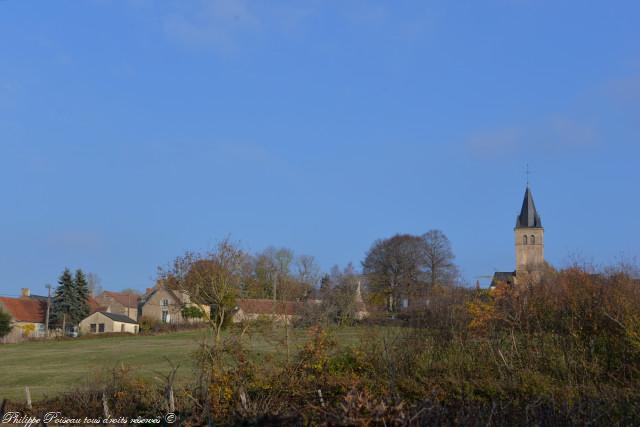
column 268, row 306
column 24, row 309
column 127, row 300
column 95, row 306
column 177, row 299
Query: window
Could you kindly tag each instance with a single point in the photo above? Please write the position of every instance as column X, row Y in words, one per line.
column 533, row 239
column 93, row 328
column 165, row 303
column 101, row 327
column 165, row 316
column 524, row 240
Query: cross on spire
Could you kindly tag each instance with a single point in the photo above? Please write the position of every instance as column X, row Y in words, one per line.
column 528, row 172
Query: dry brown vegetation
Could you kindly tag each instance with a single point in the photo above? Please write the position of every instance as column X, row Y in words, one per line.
column 564, row 351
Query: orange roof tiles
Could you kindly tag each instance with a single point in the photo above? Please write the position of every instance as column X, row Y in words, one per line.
column 95, row 306
column 127, row 300
column 25, row 309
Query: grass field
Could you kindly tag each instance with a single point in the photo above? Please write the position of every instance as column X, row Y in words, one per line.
column 52, row 367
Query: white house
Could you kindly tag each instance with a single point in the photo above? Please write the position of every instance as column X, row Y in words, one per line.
column 102, row 322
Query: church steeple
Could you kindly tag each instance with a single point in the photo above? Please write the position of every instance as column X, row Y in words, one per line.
column 528, row 217
column 529, row 236
column 529, row 245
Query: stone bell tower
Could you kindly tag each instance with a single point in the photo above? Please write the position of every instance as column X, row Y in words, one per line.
column 529, row 235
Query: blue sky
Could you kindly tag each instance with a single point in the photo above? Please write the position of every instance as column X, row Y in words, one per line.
column 131, row 131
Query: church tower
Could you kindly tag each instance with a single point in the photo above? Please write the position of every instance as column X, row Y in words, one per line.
column 529, row 235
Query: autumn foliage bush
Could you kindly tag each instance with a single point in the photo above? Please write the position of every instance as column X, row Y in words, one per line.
column 563, row 350
column 111, row 393
column 559, row 351
column 591, row 323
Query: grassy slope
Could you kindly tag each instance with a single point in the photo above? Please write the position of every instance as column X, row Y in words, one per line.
column 49, row 368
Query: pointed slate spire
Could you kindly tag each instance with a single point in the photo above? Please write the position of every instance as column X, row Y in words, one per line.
column 528, row 217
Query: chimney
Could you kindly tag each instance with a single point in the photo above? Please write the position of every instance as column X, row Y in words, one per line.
column 26, row 293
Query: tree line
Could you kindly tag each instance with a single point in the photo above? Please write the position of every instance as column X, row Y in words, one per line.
column 398, row 268
column 403, row 266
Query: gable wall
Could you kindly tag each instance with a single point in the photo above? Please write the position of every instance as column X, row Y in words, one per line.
column 152, row 308
column 110, row 325
column 115, row 307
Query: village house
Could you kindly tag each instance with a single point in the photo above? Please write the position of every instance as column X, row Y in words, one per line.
column 103, row 322
column 286, row 311
column 28, row 317
column 166, row 305
column 125, row 303
column 266, row 309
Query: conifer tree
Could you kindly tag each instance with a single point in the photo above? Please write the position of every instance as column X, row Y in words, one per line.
column 71, row 300
column 64, row 300
column 81, row 286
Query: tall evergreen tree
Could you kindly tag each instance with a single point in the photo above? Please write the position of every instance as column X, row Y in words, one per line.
column 64, row 300
column 82, row 293
column 71, row 299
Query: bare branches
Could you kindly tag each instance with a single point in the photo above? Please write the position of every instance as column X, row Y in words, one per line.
column 210, row 279
column 407, row 265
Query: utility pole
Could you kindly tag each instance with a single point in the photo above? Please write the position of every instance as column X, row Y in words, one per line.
column 46, row 326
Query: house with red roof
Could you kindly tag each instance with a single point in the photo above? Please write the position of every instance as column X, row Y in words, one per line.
column 267, row 309
column 28, row 317
column 125, row 303
column 29, row 313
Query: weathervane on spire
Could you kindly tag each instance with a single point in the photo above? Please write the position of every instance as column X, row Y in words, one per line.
column 528, row 172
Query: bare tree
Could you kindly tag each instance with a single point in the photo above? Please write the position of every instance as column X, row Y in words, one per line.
column 393, row 266
column 94, row 284
column 438, row 259
column 409, row 265
column 264, row 271
column 211, row 279
column 272, row 268
column 283, row 258
column 340, row 302
column 308, row 270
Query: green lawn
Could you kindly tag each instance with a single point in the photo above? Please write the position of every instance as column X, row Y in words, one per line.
column 51, row 367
